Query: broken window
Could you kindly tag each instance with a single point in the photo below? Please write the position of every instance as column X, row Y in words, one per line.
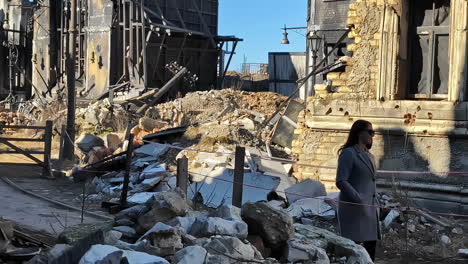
column 429, row 49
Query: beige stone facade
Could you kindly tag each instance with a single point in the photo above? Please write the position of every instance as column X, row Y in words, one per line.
column 414, row 133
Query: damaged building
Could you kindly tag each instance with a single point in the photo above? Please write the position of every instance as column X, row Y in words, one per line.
column 123, row 48
column 406, row 72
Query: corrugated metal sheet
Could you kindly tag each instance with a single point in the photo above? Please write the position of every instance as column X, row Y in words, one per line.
column 285, row 69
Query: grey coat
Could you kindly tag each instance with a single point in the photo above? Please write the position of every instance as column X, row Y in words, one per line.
column 355, row 178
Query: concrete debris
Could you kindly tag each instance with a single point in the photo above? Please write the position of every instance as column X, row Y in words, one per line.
column 86, row 142
column 190, row 255
column 166, row 239
column 151, row 125
column 185, row 223
column 126, row 231
column 73, row 234
column 140, row 198
column 231, row 250
column 153, row 150
column 310, row 207
column 132, row 213
column 164, row 206
column 210, row 226
column 113, row 142
column 98, row 253
column 390, row 217
column 259, row 218
column 304, row 250
column 305, row 189
column 228, row 212
column 445, row 239
column 457, row 230
column 325, row 240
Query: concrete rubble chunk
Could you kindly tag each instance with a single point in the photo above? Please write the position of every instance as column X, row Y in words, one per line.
column 164, row 206
column 113, row 141
column 210, row 226
column 310, row 207
column 154, row 150
column 127, row 232
column 149, row 124
column 190, row 255
column 305, row 189
column 457, row 230
column 86, row 142
column 274, row 226
column 445, row 240
column 390, row 218
column 73, row 234
column 232, row 250
column 343, row 247
column 140, row 198
column 132, row 213
column 98, row 252
column 303, row 250
column 167, row 239
column 185, row 223
column 228, row 212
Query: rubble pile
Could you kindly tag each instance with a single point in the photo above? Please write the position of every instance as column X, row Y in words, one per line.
column 411, row 231
column 14, row 119
column 102, row 116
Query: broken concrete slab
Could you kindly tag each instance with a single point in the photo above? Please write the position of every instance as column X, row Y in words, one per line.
column 113, row 141
column 463, row 253
column 326, row 239
column 232, row 249
column 216, row 189
column 190, row 255
column 86, row 142
column 98, row 252
column 303, row 250
column 146, row 185
column 154, row 150
column 228, row 212
column 259, row 217
column 210, row 226
column 390, row 217
column 167, row 239
column 132, row 213
column 127, row 231
column 164, row 206
column 185, row 223
column 305, row 189
column 71, row 235
column 149, row 124
column 310, row 207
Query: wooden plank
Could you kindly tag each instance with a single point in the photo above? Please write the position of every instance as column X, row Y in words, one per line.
column 47, row 171
column 24, row 139
column 16, row 152
column 182, row 174
column 22, row 152
column 22, row 127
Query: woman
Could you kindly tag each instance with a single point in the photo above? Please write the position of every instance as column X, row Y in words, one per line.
column 355, row 178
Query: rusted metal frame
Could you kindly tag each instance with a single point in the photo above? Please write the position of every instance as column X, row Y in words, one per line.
column 158, row 57
column 179, row 14
column 202, row 19
column 149, row 11
column 2, row 141
column 182, row 47
column 229, row 60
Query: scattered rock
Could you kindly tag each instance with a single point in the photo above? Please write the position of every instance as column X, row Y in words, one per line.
column 132, row 213
column 126, row 231
column 86, row 142
column 228, row 212
column 307, row 188
column 457, row 230
column 185, row 223
column 210, row 226
column 165, row 238
column 326, row 239
column 274, row 226
column 445, row 240
column 113, row 141
column 164, row 206
column 73, row 234
column 411, row 227
column 190, row 255
column 231, row 250
column 149, row 124
column 310, row 207
column 304, row 250
column 390, row 217
column 258, row 243
column 98, row 252
column 140, row 198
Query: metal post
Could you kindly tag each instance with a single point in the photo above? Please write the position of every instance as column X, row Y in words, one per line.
column 309, row 90
column 71, row 97
column 128, row 163
column 63, row 140
column 182, row 174
column 238, row 186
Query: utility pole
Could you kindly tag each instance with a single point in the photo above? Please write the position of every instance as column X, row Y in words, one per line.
column 69, row 149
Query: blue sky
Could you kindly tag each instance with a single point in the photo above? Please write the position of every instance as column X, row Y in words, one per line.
column 258, row 22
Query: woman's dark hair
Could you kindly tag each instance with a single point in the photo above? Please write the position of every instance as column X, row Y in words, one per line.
column 353, row 137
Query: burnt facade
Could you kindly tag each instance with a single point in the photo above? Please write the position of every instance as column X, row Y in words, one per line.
column 406, row 71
